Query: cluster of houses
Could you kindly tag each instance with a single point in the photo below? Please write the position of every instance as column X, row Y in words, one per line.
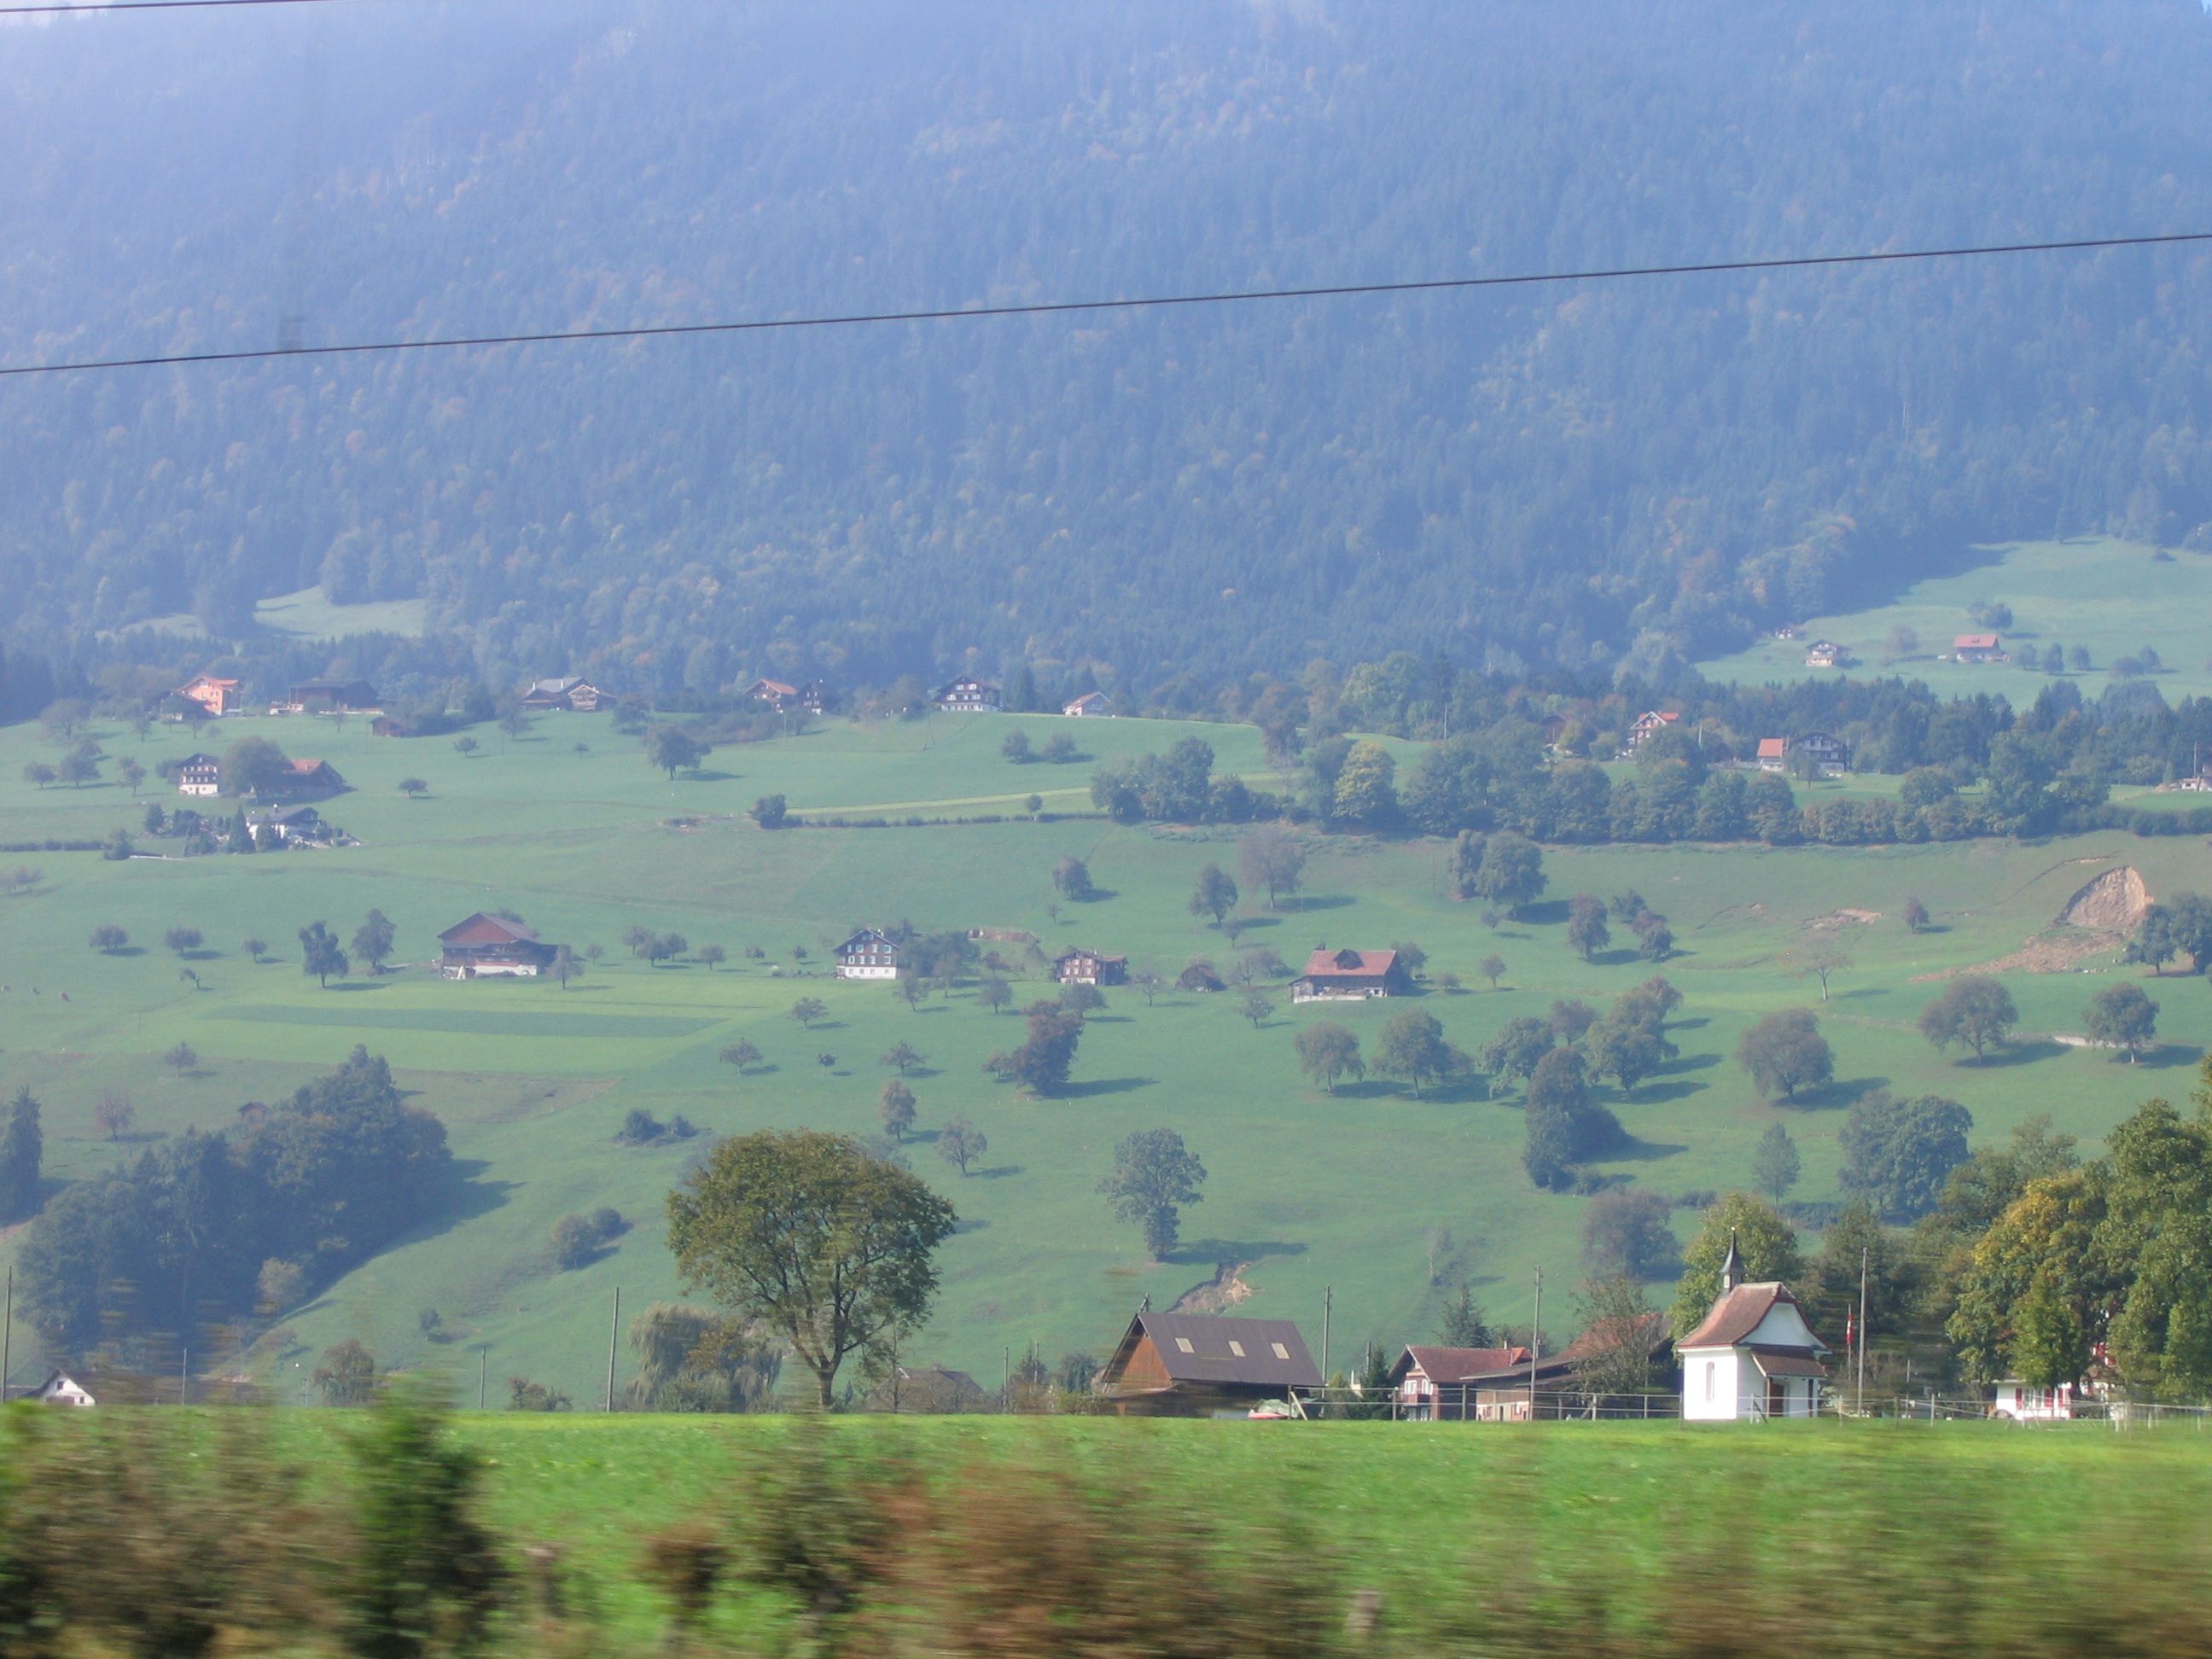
column 217, row 698
column 1343, row 975
column 1824, row 750
column 1966, row 648
column 302, row 780
column 1754, row 1356
column 970, row 695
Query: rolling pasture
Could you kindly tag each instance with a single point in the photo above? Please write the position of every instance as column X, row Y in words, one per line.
column 1307, row 1190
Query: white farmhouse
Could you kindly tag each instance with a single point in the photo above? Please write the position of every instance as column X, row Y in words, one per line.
column 869, row 954
column 1754, row 1358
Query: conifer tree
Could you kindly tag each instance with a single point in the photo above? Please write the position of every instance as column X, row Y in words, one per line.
column 23, row 1149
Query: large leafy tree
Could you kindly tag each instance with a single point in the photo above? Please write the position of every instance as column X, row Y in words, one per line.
column 1898, row 1153
column 1511, row 872
column 1327, row 1051
column 1785, row 1052
column 1975, row 1010
column 831, row 1248
column 1767, row 1244
column 1154, row 1176
column 1412, row 1047
column 1565, row 1126
column 252, row 766
column 2123, row 1017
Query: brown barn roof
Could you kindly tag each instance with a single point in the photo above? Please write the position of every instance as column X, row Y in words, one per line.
column 1451, row 1364
column 1202, row 1348
column 1325, row 964
column 481, row 929
column 1651, row 1327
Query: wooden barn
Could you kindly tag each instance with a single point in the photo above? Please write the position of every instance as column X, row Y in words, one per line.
column 1198, row 1365
column 492, row 947
column 1338, row 976
column 1078, row 966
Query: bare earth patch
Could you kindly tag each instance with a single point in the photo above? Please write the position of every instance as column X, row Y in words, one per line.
column 2050, row 954
column 2115, row 900
column 1218, row 1294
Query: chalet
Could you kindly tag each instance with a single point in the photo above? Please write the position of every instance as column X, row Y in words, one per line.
column 59, row 1389
column 927, row 1391
column 869, row 954
column 1754, row 1358
column 1091, row 704
column 217, row 697
column 1651, row 720
column 1824, row 750
column 297, row 823
column 817, row 698
column 1787, row 631
column 199, row 775
column 967, row 696
column 309, row 779
column 487, row 947
column 1977, row 648
column 1195, row 1365
column 1080, row 967
column 1338, row 976
column 775, row 693
column 1773, row 754
column 1435, row 1385
column 566, row 694
column 1825, row 654
column 332, row 697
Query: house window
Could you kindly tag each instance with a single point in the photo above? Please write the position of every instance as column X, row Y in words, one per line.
column 1183, row 1342
column 1282, row 1352
column 1236, row 1348
column 1711, row 1367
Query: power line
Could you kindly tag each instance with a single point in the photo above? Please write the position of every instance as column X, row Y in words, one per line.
column 96, row 7
column 1051, row 308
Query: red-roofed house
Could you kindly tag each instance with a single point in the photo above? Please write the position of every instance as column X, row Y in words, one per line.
column 311, row 779
column 1773, row 754
column 1434, row 1384
column 486, row 946
column 1977, row 648
column 1333, row 976
column 1754, row 1358
column 1651, row 720
column 775, row 693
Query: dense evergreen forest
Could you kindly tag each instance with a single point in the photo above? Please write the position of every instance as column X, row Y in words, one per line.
column 1584, row 477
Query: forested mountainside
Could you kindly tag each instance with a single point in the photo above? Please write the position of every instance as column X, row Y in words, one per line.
column 1582, row 475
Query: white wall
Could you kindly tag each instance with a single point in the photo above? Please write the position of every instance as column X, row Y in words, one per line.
column 1711, row 1384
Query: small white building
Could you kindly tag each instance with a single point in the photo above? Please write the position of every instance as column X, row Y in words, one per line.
column 199, row 775
column 1755, row 1357
column 968, row 695
column 869, row 954
column 1092, row 705
column 59, row 1389
column 2024, row 1404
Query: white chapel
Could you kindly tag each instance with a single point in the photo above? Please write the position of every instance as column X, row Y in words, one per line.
column 1755, row 1357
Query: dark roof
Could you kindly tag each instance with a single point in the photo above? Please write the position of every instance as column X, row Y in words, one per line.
column 868, row 938
column 1652, row 1328
column 1786, row 1362
column 1213, row 1359
column 481, row 929
column 1344, row 965
column 1738, row 1314
column 1450, row 1365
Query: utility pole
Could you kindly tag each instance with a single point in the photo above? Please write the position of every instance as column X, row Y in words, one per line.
column 482, row 1356
column 1535, row 1342
column 7, row 1337
column 1327, row 1305
column 185, row 1378
column 614, row 1330
column 1863, row 1328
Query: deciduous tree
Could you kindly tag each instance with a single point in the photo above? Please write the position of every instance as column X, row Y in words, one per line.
column 807, row 1010
column 1270, row 859
column 1516, row 1051
column 1328, row 1051
column 1785, row 1052
column 961, row 1143
column 1215, row 894
column 2123, row 1017
column 373, row 941
column 107, row 939
column 1587, row 932
column 1767, row 1243
column 22, row 1151
column 807, row 1235
column 1975, row 1010
column 671, row 750
column 897, row 1110
column 1898, row 1153
column 741, row 1053
column 320, row 954
column 1154, row 1176
column 1511, row 872
column 1412, row 1046
column 1492, row 968
column 1629, row 1233
column 1775, row 1164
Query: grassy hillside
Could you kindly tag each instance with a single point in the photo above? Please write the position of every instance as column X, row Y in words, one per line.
column 1310, row 1191
column 2114, row 597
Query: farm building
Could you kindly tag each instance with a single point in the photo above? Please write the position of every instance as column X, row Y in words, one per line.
column 217, row 697
column 775, row 693
column 1651, row 720
column 1824, row 750
column 1754, row 1358
column 927, row 1391
column 1078, row 966
column 869, row 954
column 331, row 697
column 1977, row 648
column 1195, row 1365
column 1337, row 976
column 1437, row 1385
column 308, row 780
column 59, row 1388
column 1092, row 705
column 486, row 947
column 1773, row 754
column 568, row 694
column 297, row 823
column 967, row 696
column 2023, row 1404
column 1825, row 654
column 199, row 775
column 817, row 698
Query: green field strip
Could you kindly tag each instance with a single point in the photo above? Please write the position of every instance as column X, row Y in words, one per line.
column 473, row 1022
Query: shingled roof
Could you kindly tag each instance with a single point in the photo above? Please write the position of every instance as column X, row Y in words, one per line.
column 481, row 929
column 1203, row 1348
column 1741, row 1311
column 1456, row 1364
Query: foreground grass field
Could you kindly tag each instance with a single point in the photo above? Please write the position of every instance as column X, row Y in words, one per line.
column 1597, row 1520
column 1307, row 1190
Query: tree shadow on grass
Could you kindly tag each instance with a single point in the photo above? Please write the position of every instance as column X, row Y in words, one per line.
column 1373, row 1088
column 1654, row 1094
column 1703, row 1062
column 2023, row 1052
column 1326, row 902
column 2169, row 1054
column 1695, row 1022
column 467, row 1197
column 1211, row 1252
column 1834, row 1097
column 1001, row 1170
column 355, row 985
column 1104, row 1086
column 1546, row 915
column 198, row 956
column 713, row 777
column 125, row 951
column 1250, row 922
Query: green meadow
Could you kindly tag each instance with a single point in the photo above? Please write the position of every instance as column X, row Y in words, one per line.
column 2111, row 596
column 1308, row 1192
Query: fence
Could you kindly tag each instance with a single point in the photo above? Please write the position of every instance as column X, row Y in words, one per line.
column 1460, row 1402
